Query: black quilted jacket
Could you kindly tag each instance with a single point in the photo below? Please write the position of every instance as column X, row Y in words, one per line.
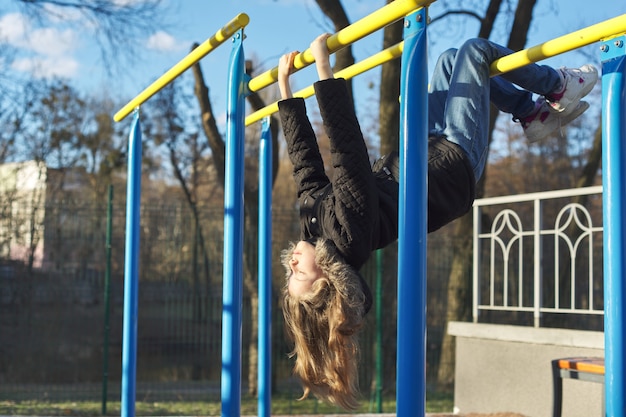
column 346, row 210
column 358, row 209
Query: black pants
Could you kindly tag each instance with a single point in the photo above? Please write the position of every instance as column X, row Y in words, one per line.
column 451, row 182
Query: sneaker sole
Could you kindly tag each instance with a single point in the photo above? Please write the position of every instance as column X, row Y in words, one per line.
column 565, row 119
column 578, row 110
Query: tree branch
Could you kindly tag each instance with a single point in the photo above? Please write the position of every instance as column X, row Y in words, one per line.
column 458, row 12
column 209, row 125
column 115, row 23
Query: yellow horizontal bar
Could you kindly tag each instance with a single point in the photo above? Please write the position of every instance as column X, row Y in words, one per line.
column 369, row 24
column 238, row 22
column 347, row 73
column 566, row 43
column 583, row 37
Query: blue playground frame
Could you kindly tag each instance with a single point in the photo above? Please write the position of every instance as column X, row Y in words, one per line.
column 411, row 373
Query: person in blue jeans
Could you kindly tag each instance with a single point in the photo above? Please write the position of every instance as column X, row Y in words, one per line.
column 461, row 89
column 346, row 216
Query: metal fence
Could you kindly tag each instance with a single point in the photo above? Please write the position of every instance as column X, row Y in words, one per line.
column 538, row 261
column 538, row 256
column 57, row 343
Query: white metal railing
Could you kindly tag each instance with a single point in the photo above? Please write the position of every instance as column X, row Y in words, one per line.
column 535, row 242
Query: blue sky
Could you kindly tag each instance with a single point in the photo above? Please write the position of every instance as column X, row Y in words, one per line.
column 276, row 26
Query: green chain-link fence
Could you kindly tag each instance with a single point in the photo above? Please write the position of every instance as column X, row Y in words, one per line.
column 53, row 314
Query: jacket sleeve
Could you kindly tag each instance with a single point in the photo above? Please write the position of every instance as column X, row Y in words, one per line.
column 304, row 153
column 354, row 187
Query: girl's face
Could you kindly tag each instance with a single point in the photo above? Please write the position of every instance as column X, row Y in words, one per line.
column 304, row 270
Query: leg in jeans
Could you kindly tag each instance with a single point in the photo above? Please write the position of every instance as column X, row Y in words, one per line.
column 509, row 99
column 503, row 94
column 461, row 111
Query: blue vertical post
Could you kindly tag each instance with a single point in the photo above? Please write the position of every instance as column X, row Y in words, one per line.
column 265, row 271
column 411, row 358
column 131, row 270
column 614, row 198
column 233, row 233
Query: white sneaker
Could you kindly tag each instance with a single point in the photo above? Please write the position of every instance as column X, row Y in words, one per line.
column 544, row 120
column 576, row 84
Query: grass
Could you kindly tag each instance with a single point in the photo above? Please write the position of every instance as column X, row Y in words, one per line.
column 281, row 405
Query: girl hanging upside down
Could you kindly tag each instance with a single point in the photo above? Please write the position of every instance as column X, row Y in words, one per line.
column 345, row 218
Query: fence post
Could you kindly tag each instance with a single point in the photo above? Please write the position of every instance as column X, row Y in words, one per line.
column 537, row 281
column 476, row 268
column 379, row 331
column 107, row 296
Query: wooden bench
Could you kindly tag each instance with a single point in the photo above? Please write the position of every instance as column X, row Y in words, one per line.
column 583, row 368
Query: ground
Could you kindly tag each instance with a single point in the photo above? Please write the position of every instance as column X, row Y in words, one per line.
column 501, row 414
column 505, row 414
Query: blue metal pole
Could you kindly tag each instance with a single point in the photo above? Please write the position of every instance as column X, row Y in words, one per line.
column 265, row 271
column 131, row 270
column 614, row 198
column 233, row 234
column 411, row 359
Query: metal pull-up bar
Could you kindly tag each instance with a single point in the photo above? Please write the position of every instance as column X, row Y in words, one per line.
column 369, row 24
column 133, row 201
column 238, row 22
column 557, row 46
column 412, row 207
column 352, row 71
column 412, row 356
column 583, row 37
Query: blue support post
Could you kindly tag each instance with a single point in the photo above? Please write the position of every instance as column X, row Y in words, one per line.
column 265, row 271
column 131, row 270
column 411, row 359
column 614, row 198
column 233, row 233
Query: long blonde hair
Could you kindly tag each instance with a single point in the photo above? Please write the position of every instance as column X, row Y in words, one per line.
column 323, row 326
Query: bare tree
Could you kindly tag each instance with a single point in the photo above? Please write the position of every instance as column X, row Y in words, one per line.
column 218, row 147
column 112, row 23
column 389, row 132
column 102, row 145
column 11, row 114
column 334, row 10
column 186, row 151
column 459, row 284
column 51, row 130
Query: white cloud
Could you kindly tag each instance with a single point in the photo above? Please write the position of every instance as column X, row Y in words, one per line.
column 122, row 3
column 46, row 67
column 43, row 52
column 163, row 42
column 13, row 26
column 53, row 42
